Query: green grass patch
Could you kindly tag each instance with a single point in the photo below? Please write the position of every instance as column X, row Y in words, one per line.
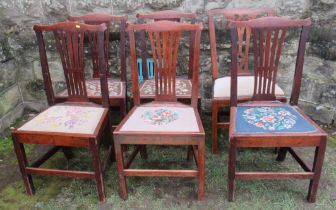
column 6, row 145
column 177, row 193
column 333, row 140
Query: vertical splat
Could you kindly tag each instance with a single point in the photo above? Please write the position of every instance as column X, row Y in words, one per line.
column 244, row 35
column 267, row 50
column 70, row 46
column 165, row 49
column 93, row 40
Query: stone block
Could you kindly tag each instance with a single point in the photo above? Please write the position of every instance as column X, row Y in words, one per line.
column 8, row 73
column 9, row 99
column 10, row 117
column 319, row 113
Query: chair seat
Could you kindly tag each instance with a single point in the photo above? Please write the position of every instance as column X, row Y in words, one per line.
column 245, row 86
column 271, row 119
column 66, row 119
column 183, row 88
column 161, row 118
column 116, row 88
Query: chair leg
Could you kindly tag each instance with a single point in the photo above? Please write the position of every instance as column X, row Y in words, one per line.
column 282, row 153
column 123, row 108
column 22, row 161
column 214, row 120
column 199, row 106
column 189, row 153
column 232, row 169
column 317, row 168
column 120, row 166
column 97, row 170
column 201, row 169
column 111, row 143
column 67, row 152
column 143, row 152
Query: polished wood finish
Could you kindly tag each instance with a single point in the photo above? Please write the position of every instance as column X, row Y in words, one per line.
column 243, row 42
column 268, row 37
column 168, row 15
column 69, row 38
column 110, row 21
column 234, row 14
column 165, row 39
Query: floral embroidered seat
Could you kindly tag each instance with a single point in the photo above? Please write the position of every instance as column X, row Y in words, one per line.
column 116, row 88
column 166, row 120
column 264, row 121
column 245, row 87
column 66, row 119
column 162, row 117
column 222, row 84
column 72, row 120
column 183, row 88
column 271, row 119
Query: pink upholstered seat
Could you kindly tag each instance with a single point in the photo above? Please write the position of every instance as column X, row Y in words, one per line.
column 66, row 119
column 162, row 117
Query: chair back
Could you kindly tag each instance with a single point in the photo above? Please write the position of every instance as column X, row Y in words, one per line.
column 69, row 38
column 244, row 34
column 169, row 15
column 97, row 19
column 268, row 38
column 164, row 37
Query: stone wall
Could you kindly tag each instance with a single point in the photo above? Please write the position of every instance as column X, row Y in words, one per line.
column 21, row 85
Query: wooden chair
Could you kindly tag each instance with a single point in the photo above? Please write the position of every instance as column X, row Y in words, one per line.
column 116, row 86
column 264, row 121
column 163, row 121
column 75, row 123
column 183, row 84
column 221, row 85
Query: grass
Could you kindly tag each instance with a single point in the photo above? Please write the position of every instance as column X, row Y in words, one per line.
column 177, row 193
column 6, row 144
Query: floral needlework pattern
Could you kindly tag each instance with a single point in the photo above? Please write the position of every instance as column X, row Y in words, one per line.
column 183, row 87
column 159, row 116
column 66, row 117
column 270, row 118
column 93, row 88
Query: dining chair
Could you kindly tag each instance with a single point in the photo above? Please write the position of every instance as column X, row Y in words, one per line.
column 75, row 123
column 264, row 121
column 117, row 84
column 183, row 83
column 164, row 121
column 221, row 85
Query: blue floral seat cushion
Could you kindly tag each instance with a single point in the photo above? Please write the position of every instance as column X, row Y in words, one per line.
column 271, row 119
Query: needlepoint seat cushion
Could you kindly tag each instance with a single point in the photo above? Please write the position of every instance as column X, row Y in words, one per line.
column 245, row 87
column 66, row 119
column 162, row 118
column 271, row 119
column 183, row 88
column 116, row 88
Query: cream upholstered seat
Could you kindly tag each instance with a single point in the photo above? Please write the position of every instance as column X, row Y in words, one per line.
column 66, row 119
column 245, row 85
column 115, row 87
column 183, row 88
column 166, row 118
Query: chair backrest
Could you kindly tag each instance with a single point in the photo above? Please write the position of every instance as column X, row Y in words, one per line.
column 268, row 38
column 97, row 19
column 69, row 38
column 169, row 15
column 235, row 14
column 164, row 39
